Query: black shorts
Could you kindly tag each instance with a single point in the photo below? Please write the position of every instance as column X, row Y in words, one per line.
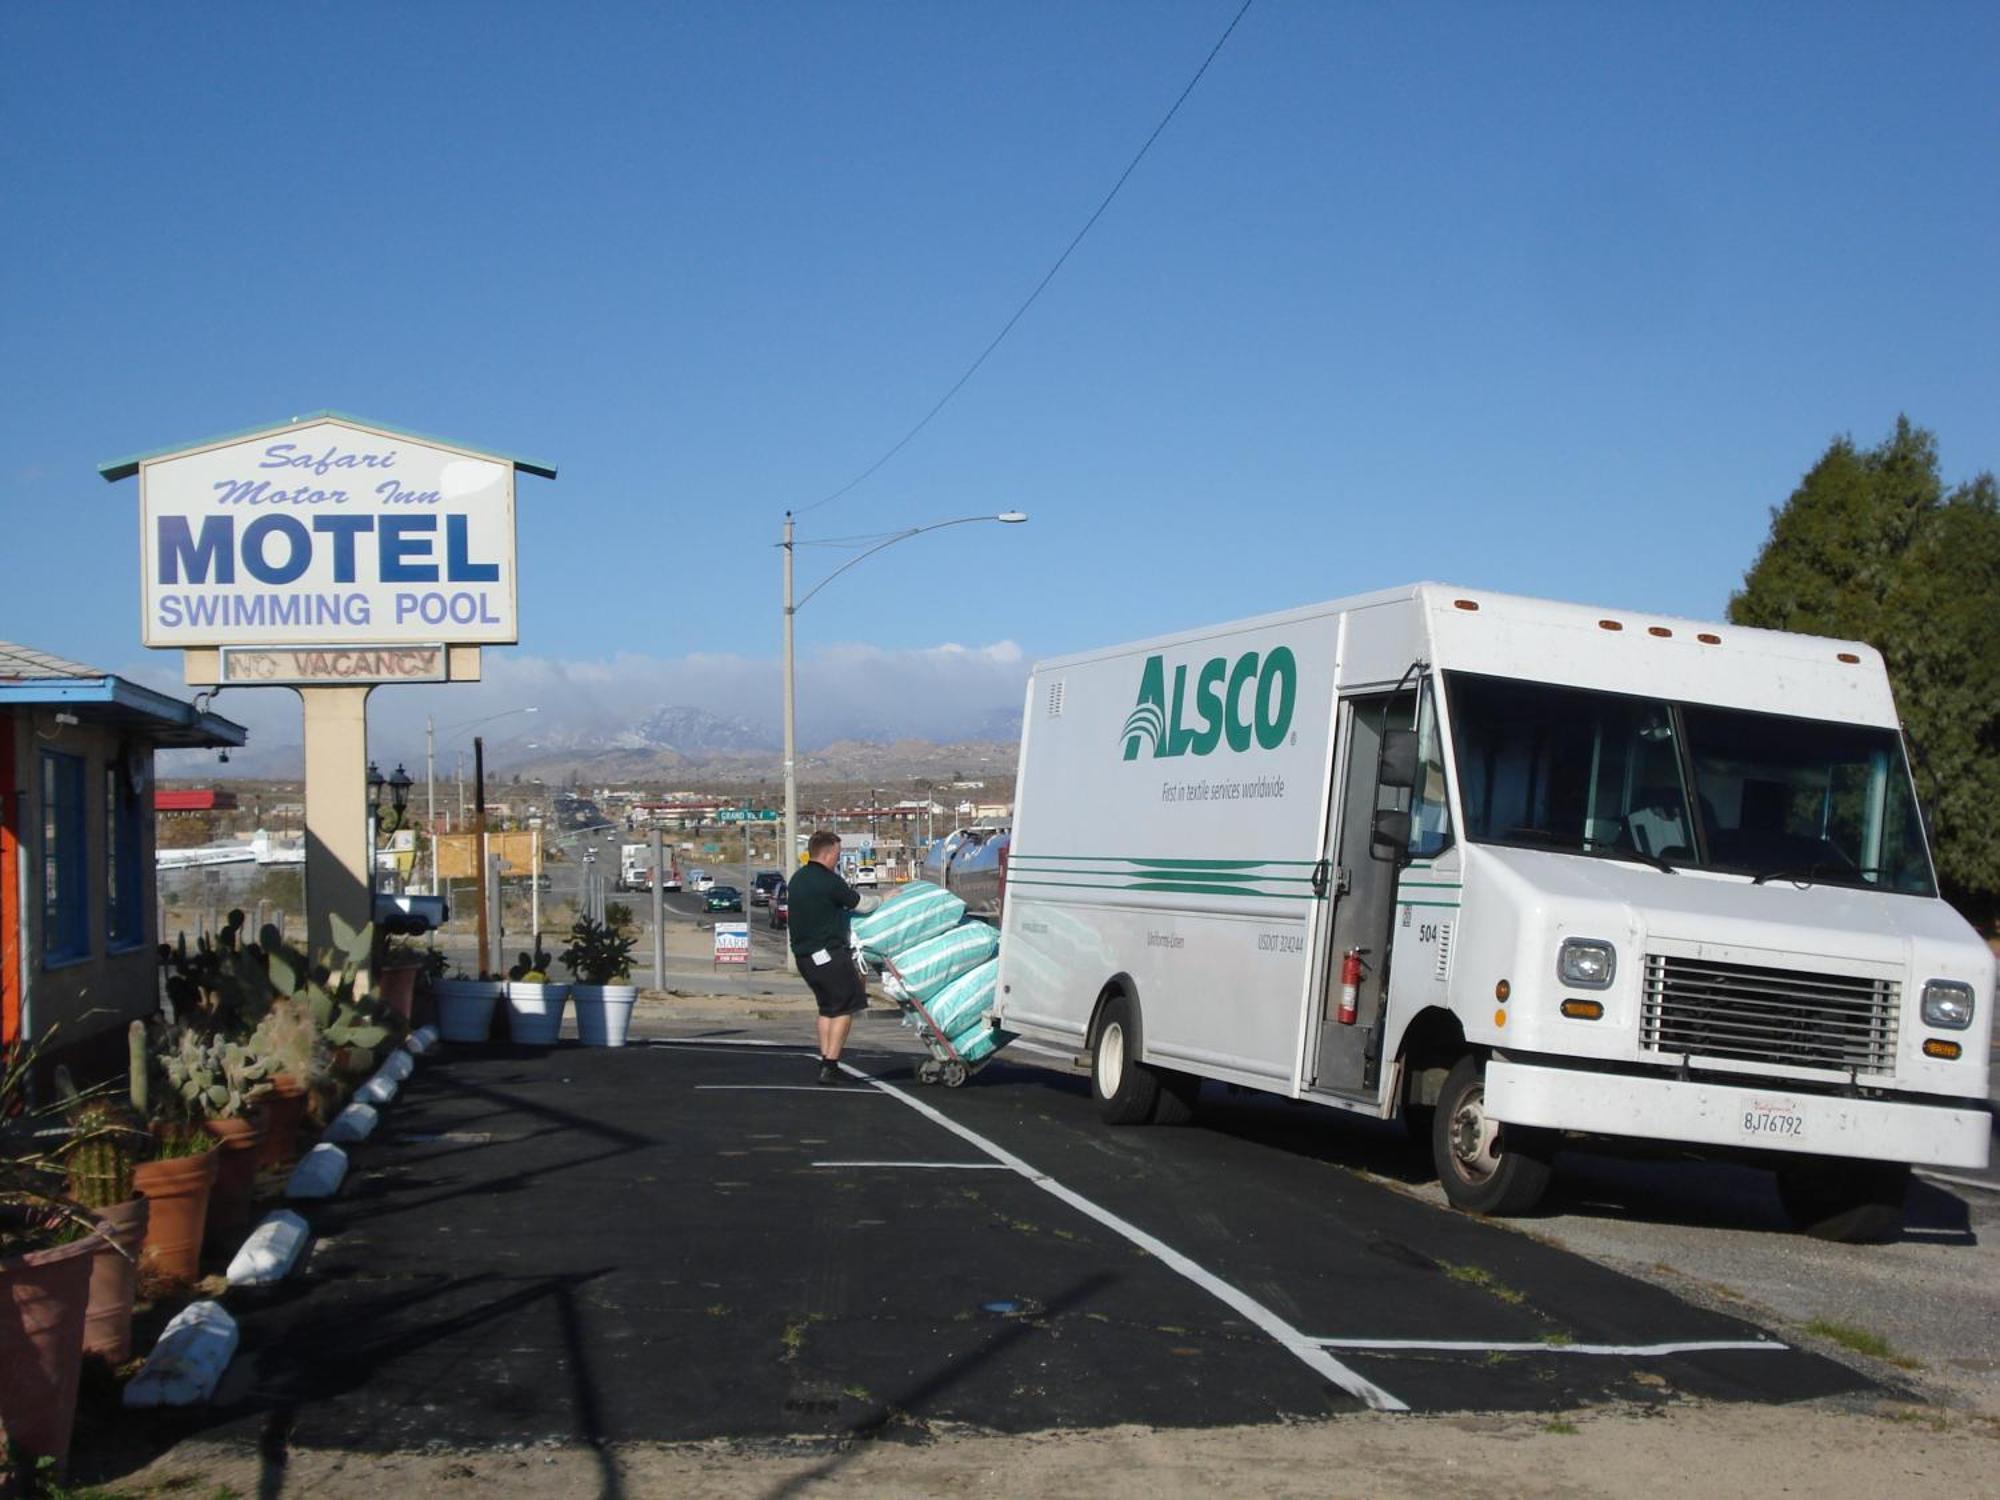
column 836, row 984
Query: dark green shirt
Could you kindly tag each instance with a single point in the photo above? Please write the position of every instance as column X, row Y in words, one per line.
column 820, row 902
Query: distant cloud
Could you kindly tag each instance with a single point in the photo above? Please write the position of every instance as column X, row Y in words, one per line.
column 942, row 692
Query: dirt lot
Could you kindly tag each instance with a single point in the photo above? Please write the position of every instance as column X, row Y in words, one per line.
column 1703, row 1451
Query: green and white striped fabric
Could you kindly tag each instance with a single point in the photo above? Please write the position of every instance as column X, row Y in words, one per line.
column 919, row 911
column 922, row 972
column 966, row 999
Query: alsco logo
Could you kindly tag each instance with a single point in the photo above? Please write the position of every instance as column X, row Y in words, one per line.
column 1247, row 700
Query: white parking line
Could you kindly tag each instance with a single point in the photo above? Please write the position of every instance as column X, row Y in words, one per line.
column 783, row 1088
column 1620, row 1351
column 941, row 1166
column 1307, row 1351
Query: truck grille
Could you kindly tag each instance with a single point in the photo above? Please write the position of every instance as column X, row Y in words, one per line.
column 1786, row 1016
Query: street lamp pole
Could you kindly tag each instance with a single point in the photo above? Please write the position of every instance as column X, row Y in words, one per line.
column 792, row 607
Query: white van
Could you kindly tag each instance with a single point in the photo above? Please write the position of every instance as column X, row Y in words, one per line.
column 1506, row 868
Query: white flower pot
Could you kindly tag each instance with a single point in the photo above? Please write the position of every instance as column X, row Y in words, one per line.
column 465, row 1008
column 603, row 1012
column 535, row 1012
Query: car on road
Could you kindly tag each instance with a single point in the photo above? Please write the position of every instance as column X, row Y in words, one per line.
column 766, row 882
column 781, row 908
column 864, row 875
column 672, row 882
column 699, row 880
column 722, row 898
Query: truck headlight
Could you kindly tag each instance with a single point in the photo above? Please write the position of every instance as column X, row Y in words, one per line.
column 1587, row 963
column 1947, row 1004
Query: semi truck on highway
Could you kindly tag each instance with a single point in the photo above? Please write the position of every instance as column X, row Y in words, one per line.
column 1512, row 871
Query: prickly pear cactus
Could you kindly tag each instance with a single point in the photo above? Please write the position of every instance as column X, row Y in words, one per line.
column 213, row 1077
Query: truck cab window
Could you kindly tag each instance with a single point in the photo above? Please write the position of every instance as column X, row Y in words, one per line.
column 1547, row 767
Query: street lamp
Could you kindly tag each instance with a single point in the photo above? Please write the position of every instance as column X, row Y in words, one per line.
column 790, row 854
column 398, row 788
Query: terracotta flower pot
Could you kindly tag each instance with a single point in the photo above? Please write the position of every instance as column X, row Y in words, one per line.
column 43, row 1295
column 284, row 1112
column 114, row 1277
column 177, row 1191
column 235, row 1179
column 399, row 987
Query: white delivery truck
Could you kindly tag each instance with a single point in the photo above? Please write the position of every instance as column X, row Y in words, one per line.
column 1509, row 869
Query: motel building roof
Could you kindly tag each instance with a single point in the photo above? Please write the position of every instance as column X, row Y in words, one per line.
column 35, row 679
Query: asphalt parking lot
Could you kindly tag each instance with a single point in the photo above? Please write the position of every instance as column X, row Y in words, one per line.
column 688, row 1240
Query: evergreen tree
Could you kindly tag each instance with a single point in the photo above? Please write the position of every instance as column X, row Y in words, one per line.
column 1872, row 547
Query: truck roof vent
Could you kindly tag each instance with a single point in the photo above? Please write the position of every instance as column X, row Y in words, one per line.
column 1056, row 698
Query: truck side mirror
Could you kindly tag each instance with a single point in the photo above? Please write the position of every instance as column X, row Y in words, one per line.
column 1390, row 835
column 1398, row 764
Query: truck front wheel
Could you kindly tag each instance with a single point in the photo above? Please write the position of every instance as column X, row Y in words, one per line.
column 1485, row 1167
column 1850, row 1202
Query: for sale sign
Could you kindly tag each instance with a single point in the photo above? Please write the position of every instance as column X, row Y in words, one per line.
column 732, row 943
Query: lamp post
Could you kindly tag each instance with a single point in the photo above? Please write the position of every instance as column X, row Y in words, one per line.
column 397, row 786
column 789, row 854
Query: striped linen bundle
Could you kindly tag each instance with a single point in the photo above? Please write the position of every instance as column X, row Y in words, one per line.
column 979, row 1041
column 966, row 1000
column 919, row 911
column 922, row 972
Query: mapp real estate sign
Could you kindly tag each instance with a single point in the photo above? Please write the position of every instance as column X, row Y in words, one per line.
column 327, row 532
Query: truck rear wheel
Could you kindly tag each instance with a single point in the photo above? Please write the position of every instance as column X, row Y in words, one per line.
column 1849, row 1202
column 1127, row 1092
column 1485, row 1167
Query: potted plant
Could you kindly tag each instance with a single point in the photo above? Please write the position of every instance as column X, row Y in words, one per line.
column 403, row 963
column 465, row 1006
column 599, row 959
column 216, row 1081
column 534, row 1005
column 104, row 1148
column 47, row 1245
column 178, row 1177
column 290, row 1040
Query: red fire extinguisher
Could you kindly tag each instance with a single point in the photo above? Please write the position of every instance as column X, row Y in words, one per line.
column 1350, row 986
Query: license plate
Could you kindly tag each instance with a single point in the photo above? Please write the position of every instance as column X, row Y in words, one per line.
column 1781, row 1123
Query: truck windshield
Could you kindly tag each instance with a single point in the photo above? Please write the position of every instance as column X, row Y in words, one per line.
column 1549, row 767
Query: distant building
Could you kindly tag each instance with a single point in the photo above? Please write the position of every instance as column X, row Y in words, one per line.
column 77, row 897
column 207, row 800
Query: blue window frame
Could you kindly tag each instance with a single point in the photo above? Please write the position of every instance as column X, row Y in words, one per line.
column 65, row 886
column 125, row 915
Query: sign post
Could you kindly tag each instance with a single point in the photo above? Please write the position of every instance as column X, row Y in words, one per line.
column 330, row 555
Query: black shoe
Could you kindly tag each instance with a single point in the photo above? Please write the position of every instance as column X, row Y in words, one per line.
column 829, row 1072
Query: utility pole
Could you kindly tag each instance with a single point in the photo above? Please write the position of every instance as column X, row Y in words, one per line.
column 479, row 838
column 431, row 797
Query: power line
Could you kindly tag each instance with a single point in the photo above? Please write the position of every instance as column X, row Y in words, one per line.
column 1040, row 286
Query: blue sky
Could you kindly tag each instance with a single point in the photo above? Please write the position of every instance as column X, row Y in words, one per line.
column 1559, row 299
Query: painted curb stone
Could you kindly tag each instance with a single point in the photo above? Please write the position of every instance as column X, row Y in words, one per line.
column 355, row 1123
column 400, row 1065
column 193, row 1351
column 271, row 1251
column 319, row 1173
column 422, row 1040
column 377, row 1090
